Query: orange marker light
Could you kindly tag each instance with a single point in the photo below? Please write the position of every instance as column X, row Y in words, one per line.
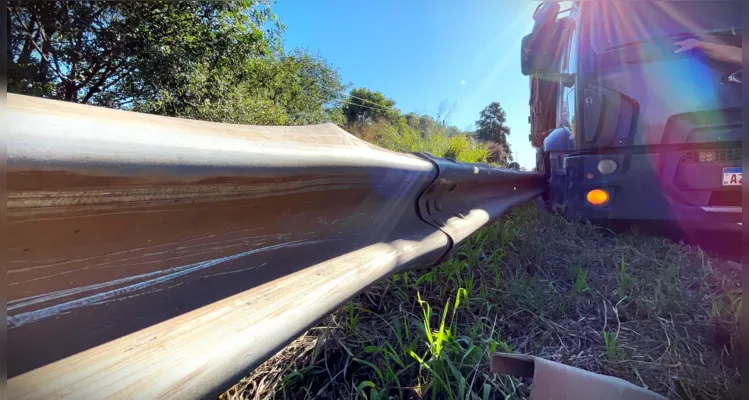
column 598, row 197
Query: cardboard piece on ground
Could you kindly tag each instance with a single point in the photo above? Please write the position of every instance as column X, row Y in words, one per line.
column 556, row 381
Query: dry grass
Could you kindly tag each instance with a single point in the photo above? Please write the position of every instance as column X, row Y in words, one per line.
column 661, row 315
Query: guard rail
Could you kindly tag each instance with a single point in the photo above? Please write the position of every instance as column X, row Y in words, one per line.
column 160, row 257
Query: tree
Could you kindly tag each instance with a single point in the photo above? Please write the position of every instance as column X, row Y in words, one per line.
column 427, row 126
column 444, row 111
column 118, row 53
column 298, row 88
column 452, row 130
column 215, row 61
column 496, row 153
column 310, row 91
column 413, row 120
column 491, row 127
column 364, row 105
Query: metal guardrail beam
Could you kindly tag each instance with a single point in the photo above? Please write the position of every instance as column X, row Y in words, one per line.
column 160, row 257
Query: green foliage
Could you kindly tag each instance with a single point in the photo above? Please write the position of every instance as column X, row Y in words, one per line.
column 366, row 106
column 119, row 53
column 623, row 278
column 291, row 89
column 579, row 279
column 491, row 128
column 374, row 394
column 213, row 61
column 403, row 137
column 353, row 313
column 609, row 340
column 425, row 124
column 418, row 344
column 443, row 347
column 376, row 121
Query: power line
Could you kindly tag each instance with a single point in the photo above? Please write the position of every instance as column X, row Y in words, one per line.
column 358, row 98
column 362, row 105
column 379, row 106
column 365, row 106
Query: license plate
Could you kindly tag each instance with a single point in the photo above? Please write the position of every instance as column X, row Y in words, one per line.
column 732, row 176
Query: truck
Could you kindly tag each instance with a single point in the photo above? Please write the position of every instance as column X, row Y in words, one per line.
column 635, row 110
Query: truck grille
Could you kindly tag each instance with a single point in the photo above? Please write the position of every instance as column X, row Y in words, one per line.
column 712, row 155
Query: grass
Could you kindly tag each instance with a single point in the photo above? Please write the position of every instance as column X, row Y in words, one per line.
column 661, row 315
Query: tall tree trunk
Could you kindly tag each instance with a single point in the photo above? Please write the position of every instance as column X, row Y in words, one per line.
column 23, row 57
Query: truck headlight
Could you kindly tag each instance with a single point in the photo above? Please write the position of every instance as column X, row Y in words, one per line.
column 607, row 166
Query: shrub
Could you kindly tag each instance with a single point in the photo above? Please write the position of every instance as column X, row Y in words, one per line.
column 405, row 138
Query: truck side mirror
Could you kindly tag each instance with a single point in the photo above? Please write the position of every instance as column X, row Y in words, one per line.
column 540, row 49
column 526, row 55
column 546, row 13
column 538, row 52
column 532, row 57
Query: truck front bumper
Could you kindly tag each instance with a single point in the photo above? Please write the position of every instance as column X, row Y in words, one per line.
column 655, row 187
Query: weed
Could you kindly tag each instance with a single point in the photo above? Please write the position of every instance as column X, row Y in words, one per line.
column 353, row 313
column 462, row 292
column 563, row 306
column 374, row 394
column 579, row 280
column 623, row 278
column 468, row 282
column 609, row 340
column 473, row 250
column 427, row 277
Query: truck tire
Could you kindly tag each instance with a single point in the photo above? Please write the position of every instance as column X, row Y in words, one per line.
column 540, row 161
column 548, row 200
column 543, row 164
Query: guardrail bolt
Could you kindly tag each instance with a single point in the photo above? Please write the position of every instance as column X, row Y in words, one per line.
column 432, row 207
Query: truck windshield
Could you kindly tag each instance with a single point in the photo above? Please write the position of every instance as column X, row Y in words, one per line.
column 614, row 24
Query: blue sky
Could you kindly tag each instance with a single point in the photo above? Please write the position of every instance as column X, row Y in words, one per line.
column 421, row 52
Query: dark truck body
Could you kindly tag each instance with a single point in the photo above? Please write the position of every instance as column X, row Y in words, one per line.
column 671, row 122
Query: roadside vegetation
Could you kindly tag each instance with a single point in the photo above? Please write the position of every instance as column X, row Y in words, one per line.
column 217, row 61
column 659, row 314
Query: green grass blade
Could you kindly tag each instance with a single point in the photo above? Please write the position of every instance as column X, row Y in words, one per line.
column 374, row 367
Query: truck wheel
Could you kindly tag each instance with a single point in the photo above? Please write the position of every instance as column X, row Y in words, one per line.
column 543, row 165
column 539, row 161
column 548, row 200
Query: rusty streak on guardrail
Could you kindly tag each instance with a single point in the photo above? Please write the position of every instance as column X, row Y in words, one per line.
column 161, row 257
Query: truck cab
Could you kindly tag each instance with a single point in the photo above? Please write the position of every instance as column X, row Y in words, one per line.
column 635, row 110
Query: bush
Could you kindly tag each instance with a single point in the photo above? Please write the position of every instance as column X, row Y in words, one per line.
column 405, row 138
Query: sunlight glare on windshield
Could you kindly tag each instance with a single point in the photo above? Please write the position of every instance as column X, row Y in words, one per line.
column 615, row 24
